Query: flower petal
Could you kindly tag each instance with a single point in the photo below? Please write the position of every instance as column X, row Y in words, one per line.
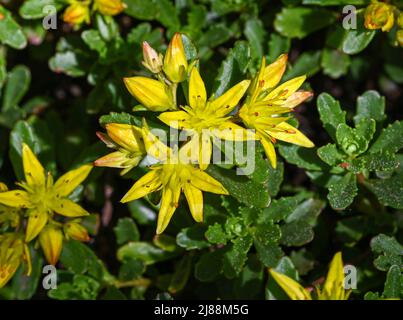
column 127, row 136
column 154, row 146
column 274, row 72
column 205, row 182
column 206, row 149
column 194, row 198
column 51, row 241
column 197, row 90
column 297, row 98
column 285, row 90
column 69, row 208
column 175, row 62
column 293, row 289
column 169, row 203
column 175, row 119
column 233, row 132
column 36, row 221
column 269, row 150
column 71, row 180
column 150, row 93
column 33, row 170
column 148, row 183
column 290, row 134
column 15, row 199
column 228, row 101
column 333, row 288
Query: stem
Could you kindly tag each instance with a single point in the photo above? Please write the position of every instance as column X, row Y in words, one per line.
column 142, row 282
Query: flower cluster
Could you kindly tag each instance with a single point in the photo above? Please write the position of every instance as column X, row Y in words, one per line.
column 381, row 15
column 36, row 211
column 79, row 11
column 256, row 109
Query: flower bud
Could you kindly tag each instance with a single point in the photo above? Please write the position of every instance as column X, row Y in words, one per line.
column 152, row 94
column 175, row 62
column 379, row 15
column 77, row 13
column 152, row 60
column 51, row 241
column 76, row 231
column 109, row 7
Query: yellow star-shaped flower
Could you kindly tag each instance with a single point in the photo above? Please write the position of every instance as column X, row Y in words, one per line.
column 207, row 119
column 172, row 175
column 267, row 102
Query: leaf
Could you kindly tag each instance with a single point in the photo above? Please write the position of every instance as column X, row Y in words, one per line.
column 233, row 68
column 145, row 252
column 390, row 139
column 278, row 45
column 390, row 252
column 35, row 9
column 273, row 290
column 330, row 113
column 307, row 211
column 269, row 255
column 370, row 105
column 255, row 33
column 142, row 10
column 215, row 234
column 18, row 81
column 355, row 141
column 296, row 233
column 381, row 161
column 281, row 208
column 302, row 157
column 298, row 22
column 334, row 2
column 180, row 277
column 240, row 187
column 308, row 63
column 214, row 36
column 131, row 269
column 123, row 117
column 126, row 230
column 358, row 39
column 192, row 238
column 342, row 192
column 388, row 191
column 249, row 284
column 209, row 266
column 94, row 41
column 10, row 31
column 394, row 283
column 236, row 256
column 330, row 154
column 334, row 63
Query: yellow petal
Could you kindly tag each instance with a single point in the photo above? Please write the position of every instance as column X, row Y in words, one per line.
column 189, row 152
column 233, row 132
column 109, row 7
column 15, row 199
column 154, row 146
column 293, row 289
column 175, row 119
column 36, row 221
column 285, row 90
column 206, row 149
column 152, row 94
column 197, row 90
column 269, row 150
column 127, row 136
column 290, row 134
column 148, row 183
column 71, row 180
column 257, row 83
column 175, row 62
column 69, row 208
column 334, row 285
column 228, row 101
column 77, row 13
column 274, row 72
column 205, row 182
column 76, row 231
column 51, row 241
column 33, row 170
column 116, row 159
column 297, row 98
column 169, row 203
column 194, row 198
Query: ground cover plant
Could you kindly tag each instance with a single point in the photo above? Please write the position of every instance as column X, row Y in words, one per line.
column 212, row 149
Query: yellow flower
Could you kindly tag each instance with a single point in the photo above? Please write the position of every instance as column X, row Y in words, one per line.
column 379, row 15
column 74, row 230
column 267, row 102
column 152, row 59
column 175, row 62
column 13, row 251
column 153, row 94
column 78, row 12
column 41, row 196
column 207, row 119
column 172, row 175
column 8, row 215
column 127, row 140
column 51, row 241
column 109, row 7
column 333, row 288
